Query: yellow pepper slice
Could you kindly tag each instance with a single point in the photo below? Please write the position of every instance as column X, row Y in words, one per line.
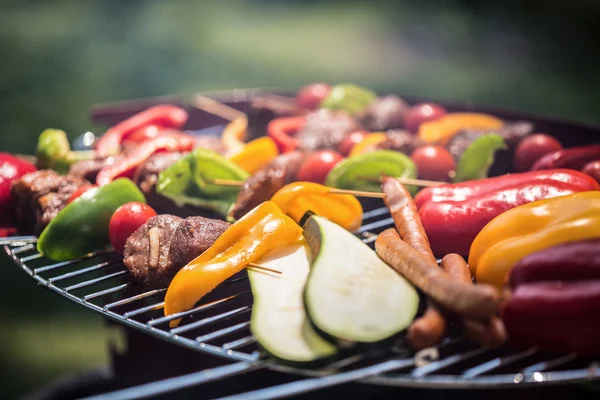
column 255, row 155
column 529, row 228
column 440, row 131
column 368, row 142
column 297, row 198
column 234, row 134
column 248, row 240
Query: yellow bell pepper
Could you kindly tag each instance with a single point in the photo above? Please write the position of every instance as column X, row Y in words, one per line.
column 529, row 228
column 369, row 141
column 297, row 198
column 440, row 131
column 248, row 240
column 255, row 155
column 234, row 134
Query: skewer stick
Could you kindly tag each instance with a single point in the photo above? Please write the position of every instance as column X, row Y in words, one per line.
column 226, row 182
column 217, row 108
column 405, row 181
column 265, row 269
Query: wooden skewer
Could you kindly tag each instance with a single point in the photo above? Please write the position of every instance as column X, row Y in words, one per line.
column 358, row 193
column 217, row 108
column 404, row 181
column 226, row 182
column 265, row 269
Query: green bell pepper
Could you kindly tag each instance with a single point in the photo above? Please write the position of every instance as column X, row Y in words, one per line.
column 53, row 151
column 363, row 172
column 348, row 97
column 82, row 226
column 477, row 159
column 189, row 181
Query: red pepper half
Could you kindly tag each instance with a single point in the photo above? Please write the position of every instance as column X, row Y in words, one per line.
column 170, row 142
column 452, row 226
column 574, row 158
column 282, row 131
column 11, row 169
column 163, row 115
column 465, row 190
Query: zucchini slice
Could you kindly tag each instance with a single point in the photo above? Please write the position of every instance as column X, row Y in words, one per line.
column 278, row 319
column 351, row 294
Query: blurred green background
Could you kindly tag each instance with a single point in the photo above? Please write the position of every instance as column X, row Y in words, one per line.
column 61, row 57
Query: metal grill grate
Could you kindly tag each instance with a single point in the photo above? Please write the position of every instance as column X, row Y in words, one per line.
column 219, row 325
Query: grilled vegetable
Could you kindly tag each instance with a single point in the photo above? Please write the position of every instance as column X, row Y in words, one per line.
column 348, row 97
column 310, row 96
column 476, row 161
column 441, row 130
column 421, row 113
column 532, row 148
column 53, row 151
column 254, row 155
column 126, row 220
column 279, row 321
column 351, row 294
column 574, row 158
column 11, row 169
column 82, row 226
column 530, row 228
column 433, row 163
column 317, row 165
column 282, row 131
column 362, row 172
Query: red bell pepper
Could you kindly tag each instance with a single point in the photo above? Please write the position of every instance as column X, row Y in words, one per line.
column 451, row 226
column 574, row 158
column 11, row 168
column 465, row 190
column 171, row 142
column 282, row 131
column 164, row 115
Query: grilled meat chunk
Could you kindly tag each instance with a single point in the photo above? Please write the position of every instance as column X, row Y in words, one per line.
column 326, row 129
column 88, row 169
column 385, row 113
column 399, row 140
column 261, row 186
column 40, row 196
column 264, row 109
column 157, row 250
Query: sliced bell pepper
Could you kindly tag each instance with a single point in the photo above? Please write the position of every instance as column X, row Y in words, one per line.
column 282, row 131
column 263, row 229
column 165, row 115
column 440, row 131
column 125, row 167
column 370, row 141
column 53, row 151
column 574, row 158
column 530, row 228
column 82, row 226
column 297, row 198
column 348, row 97
column 255, row 155
column 476, row 161
column 234, row 134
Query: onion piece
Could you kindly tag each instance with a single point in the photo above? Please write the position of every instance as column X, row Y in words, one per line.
column 154, row 239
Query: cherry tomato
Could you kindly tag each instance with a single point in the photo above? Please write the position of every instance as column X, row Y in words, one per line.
column 310, row 96
column 317, row 166
column 348, row 143
column 420, row 113
column 11, row 169
column 125, row 221
column 79, row 192
column 433, row 163
column 532, row 148
column 593, row 170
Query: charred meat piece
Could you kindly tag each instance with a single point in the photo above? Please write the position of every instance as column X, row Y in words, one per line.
column 40, row 196
column 146, row 175
column 326, row 129
column 264, row 109
column 157, row 250
column 399, row 140
column 88, row 169
column 385, row 113
column 261, row 186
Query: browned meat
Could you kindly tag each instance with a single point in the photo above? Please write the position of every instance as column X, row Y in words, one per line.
column 153, row 263
column 400, row 140
column 40, row 196
column 263, row 109
column 88, row 169
column 147, row 175
column 326, row 129
column 385, row 113
column 261, row 186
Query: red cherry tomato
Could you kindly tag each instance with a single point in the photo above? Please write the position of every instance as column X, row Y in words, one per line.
column 310, row 96
column 125, row 221
column 350, row 141
column 11, row 169
column 79, row 192
column 420, row 113
column 317, row 166
column 593, row 170
column 532, row 148
column 433, row 163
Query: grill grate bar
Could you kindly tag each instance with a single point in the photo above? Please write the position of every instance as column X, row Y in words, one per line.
column 203, row 307
column 210, row 320
column 549, row 364
column 59, row 265
column 104, row 292
column 83, row 271
column 497, row 363
column 223, row 332
column 94, row 281
column 446, row 362
column 375, row 213
column 23, row 249
column 31, row 257
column 16, row 241
column 236, row 344
column 152, row 307
column 133, row 298
column 377, row 224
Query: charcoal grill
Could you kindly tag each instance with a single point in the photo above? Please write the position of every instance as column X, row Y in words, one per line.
column 219, row 325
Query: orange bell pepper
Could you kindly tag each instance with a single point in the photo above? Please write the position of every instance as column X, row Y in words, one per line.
column 368, row 142
column 248, row 240
column 297, row 198
column 255, row 155
column 440, row 131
